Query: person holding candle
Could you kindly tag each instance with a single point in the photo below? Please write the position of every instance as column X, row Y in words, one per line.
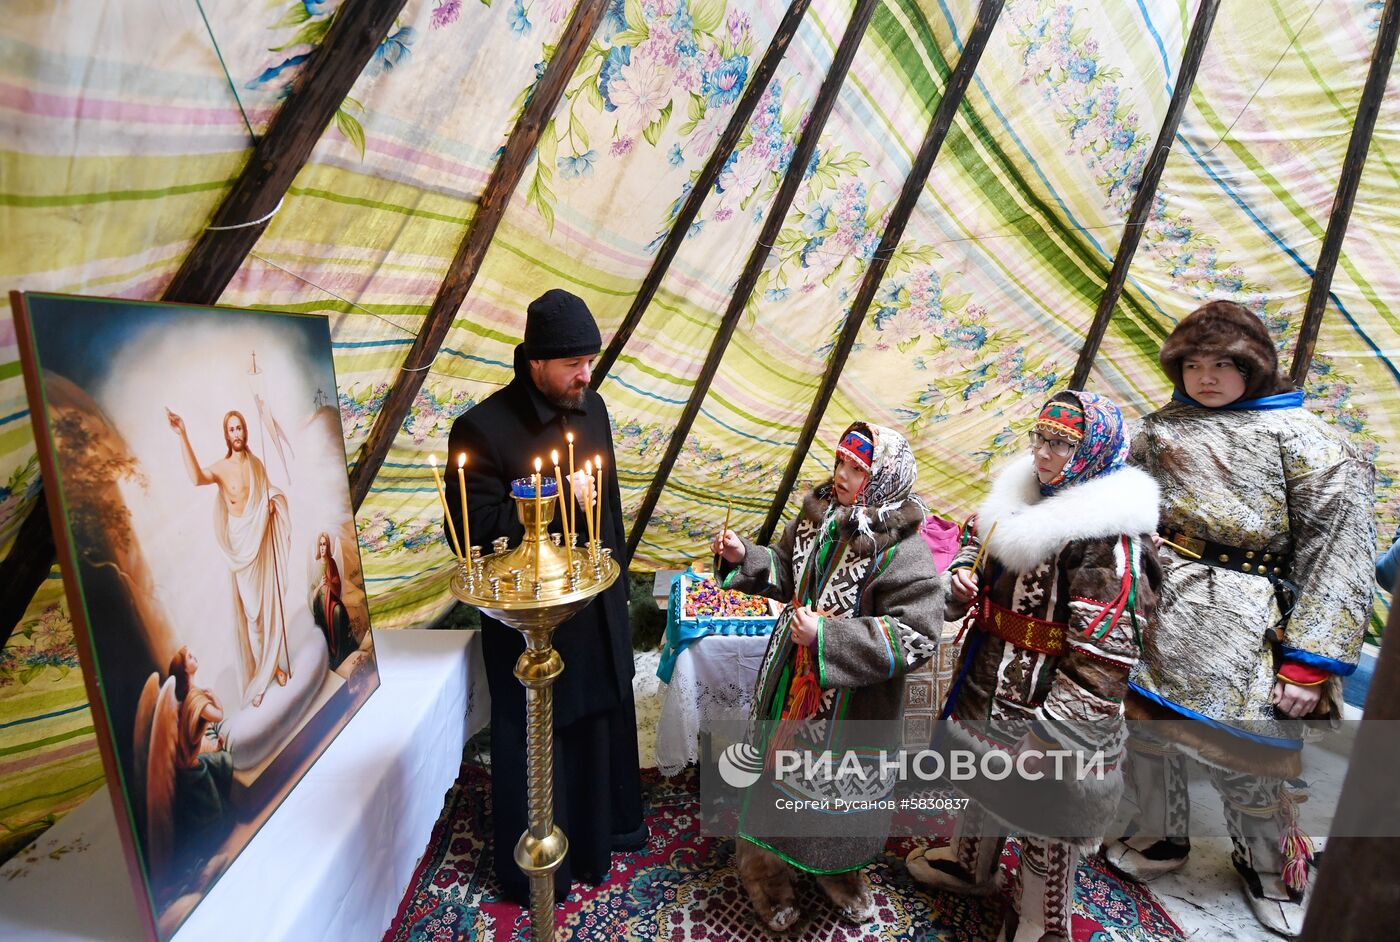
column 864, row 605
column 1057, row 579
column 597, row 779
column 1261, row 616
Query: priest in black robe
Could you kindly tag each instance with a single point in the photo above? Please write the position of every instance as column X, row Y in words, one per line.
column 597, row 786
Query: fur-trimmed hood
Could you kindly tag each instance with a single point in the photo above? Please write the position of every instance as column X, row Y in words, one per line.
column 1031, row 528
column 888, row 528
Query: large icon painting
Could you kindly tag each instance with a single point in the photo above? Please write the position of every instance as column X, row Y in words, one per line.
column 194, row 466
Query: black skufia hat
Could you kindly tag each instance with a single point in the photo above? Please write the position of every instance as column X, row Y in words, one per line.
column 559, row 325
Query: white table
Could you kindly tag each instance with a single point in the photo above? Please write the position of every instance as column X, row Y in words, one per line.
column 711, row 681
column 332, row 862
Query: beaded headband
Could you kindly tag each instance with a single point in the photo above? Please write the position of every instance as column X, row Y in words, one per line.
column 1062, row 418
column 858, row 449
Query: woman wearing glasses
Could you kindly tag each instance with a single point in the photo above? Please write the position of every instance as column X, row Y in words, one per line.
column 1055, row 609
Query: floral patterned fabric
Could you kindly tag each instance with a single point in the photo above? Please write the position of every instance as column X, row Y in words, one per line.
column 48, row 752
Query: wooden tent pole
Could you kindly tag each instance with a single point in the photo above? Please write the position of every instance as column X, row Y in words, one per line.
column 939, row 126
column 772, row 224
column 1355, row 161
column 1147, row 190
column 462, row 272
column 277, row 157
column 738, row 121
column 355, row 33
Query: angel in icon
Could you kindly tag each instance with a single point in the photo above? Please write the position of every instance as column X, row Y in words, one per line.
column 183, row 765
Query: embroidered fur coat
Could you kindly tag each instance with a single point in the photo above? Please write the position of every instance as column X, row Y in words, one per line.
column 1276, row 482
column 1074, row 558
column 882, row 603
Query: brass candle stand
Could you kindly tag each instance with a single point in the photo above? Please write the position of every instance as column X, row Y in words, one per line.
column 502, row 584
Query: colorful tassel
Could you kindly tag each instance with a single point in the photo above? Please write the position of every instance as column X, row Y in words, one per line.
column 1296, row 847
column 1125, row 600
column 804, row 696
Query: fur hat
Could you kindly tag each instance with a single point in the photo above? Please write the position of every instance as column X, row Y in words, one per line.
column 1226, row 329
column 559, row 325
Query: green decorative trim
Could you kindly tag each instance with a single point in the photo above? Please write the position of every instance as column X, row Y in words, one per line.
column 884, row 562
column 891, row 628
column 803, row 867
column 821, row 658
column 772, row 567
column 775, row 710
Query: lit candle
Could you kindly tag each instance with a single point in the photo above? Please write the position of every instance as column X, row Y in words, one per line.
column 462, row 490
column 442, row 496
column 598, row 495
column 539, row 521
column 588, row 508
column 570, row 437
column 559, row 490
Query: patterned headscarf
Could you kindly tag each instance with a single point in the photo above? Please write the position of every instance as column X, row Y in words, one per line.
column 892, row 475
column 1104, row 447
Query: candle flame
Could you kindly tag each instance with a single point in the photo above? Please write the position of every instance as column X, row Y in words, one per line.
column 588, row 466
column 570, row 437
column 432, row 459
column 537, row 466
column 554, row 457
column 462, row 460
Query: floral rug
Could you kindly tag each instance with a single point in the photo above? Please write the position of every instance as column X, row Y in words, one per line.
column 682, row 886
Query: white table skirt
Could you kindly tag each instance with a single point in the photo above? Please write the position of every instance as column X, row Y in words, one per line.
column 332, row 862
column 712, row 681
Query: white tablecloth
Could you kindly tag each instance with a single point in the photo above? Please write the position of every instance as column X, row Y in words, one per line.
column 332, row 862
column 712, row 680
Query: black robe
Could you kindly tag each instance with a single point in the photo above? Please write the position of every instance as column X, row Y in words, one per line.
column 597, row 788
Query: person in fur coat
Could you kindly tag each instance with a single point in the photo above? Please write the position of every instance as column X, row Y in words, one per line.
column 1055, row 612
column 1263, row 608
column 864, row 605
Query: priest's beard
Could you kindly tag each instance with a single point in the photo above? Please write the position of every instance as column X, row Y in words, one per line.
column 566, row 400
column 562, row 396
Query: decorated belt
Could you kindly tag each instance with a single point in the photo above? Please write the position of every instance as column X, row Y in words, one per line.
column 1034, row 634
column 1221, row 556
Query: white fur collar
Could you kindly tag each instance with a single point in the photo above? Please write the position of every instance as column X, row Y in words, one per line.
column 1031, row 528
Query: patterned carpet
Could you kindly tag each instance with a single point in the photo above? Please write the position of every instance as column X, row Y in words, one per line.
column 682, row 886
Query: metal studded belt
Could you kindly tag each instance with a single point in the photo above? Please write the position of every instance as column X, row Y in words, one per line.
column 1221, row 556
